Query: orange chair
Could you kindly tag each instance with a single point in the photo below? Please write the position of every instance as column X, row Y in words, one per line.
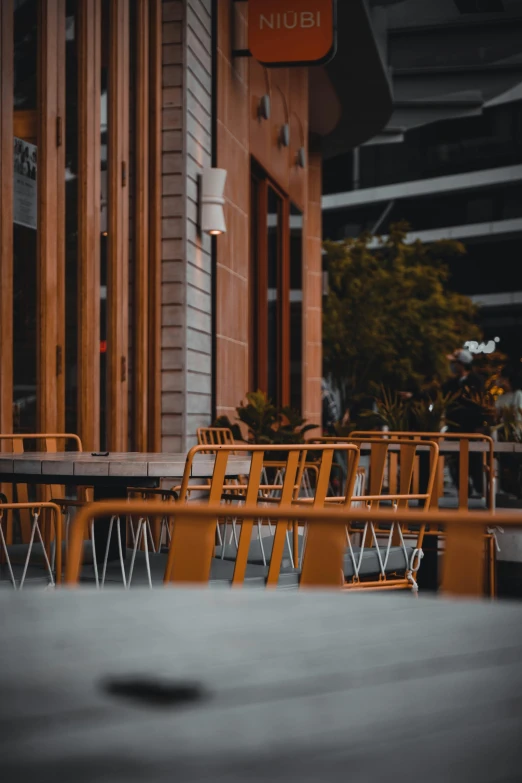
column 38, row 564
column 147, row 568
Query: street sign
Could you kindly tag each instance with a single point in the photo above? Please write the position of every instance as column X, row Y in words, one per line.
column 284, row 33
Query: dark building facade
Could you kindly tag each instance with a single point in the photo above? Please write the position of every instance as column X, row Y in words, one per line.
column 450, row 160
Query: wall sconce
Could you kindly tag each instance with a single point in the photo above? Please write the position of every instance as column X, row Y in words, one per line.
column 284, row 136
column 301, row 157
column 263, row 110
column 212, row 216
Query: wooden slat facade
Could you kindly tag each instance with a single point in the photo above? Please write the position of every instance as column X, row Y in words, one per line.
column 89, row 197
column 155, row 177
column 176, row 281
column 51, row 217
column 118, row 227
column 141, row 260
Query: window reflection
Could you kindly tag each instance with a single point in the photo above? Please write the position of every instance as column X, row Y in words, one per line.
column 24, row 229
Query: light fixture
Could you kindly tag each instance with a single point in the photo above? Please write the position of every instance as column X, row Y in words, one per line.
column 284, row 136
column 212, row 216
column 263, row 110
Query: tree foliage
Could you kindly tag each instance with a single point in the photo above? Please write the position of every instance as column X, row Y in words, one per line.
column 390, row 318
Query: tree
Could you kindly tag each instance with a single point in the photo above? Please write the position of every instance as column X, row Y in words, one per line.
column 390, row 318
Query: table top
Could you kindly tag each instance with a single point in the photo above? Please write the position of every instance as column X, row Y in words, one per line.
column 453, row 447
column 251, row 685
column 82, row 464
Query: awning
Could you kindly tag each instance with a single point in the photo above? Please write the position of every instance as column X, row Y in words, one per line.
column 351, row 97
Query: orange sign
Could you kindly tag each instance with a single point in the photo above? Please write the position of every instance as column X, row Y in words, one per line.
column 291, row 32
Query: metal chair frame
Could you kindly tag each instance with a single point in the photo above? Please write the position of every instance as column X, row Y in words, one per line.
column 183, row 536
column 52, row 553
column 400, row 495
column 322, row 566
column 488, row 459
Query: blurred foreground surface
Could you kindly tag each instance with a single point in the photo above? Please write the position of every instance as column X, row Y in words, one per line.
column 196, row 685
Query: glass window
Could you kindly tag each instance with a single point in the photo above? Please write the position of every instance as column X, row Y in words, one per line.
column 273, row 292
column 24, row 229
column 276, row 294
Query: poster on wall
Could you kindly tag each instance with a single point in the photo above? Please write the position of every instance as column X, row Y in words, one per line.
column 24, row 195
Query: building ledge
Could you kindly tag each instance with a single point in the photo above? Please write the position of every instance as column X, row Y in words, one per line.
column 472, row 231
column 503, row 175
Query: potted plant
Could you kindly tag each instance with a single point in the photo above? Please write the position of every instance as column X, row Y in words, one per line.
column 266, row 423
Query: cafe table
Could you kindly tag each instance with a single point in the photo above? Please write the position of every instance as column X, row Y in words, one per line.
column 110, row 474
column 243, row 685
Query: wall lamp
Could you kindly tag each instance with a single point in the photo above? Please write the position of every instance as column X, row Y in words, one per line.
column 284, row 135
column 263, row 109
column 212, row 201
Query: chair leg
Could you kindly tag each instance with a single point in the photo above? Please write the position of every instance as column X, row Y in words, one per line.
column 295, row 528
column 492, row 568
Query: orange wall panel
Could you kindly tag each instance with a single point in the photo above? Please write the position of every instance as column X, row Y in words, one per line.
column 242, row 136
column 312, row 339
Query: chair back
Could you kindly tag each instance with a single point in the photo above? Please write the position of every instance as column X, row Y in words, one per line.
column 393, row 459
column 461, row 442
column 465, row 555
column 192, row 546
column 16, row 443
column 391, row 483
column 215, row 436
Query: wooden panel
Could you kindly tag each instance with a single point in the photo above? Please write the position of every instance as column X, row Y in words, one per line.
column 141, row 280
column 6, row 217
column 118, row 227
column 298, row 104
column 155, row 174
column 89, row 196
column 51, row 216
column 60, row 218
column 312, row 285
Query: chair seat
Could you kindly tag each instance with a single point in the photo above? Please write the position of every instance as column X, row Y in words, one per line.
column 221, row 573
column 255, row 552
column 370, row 561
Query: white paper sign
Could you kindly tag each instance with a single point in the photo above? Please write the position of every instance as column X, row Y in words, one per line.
column 24, row 196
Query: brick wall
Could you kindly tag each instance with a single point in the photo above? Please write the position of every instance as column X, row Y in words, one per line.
column 233, row 154
column 186, row 257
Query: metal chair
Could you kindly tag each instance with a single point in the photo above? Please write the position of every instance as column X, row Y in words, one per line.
column 388, row 557
column 215, row 436
column 145, row 568
column 466, row 442
column 42, row 561
column 323, row 561
column 48, row 443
